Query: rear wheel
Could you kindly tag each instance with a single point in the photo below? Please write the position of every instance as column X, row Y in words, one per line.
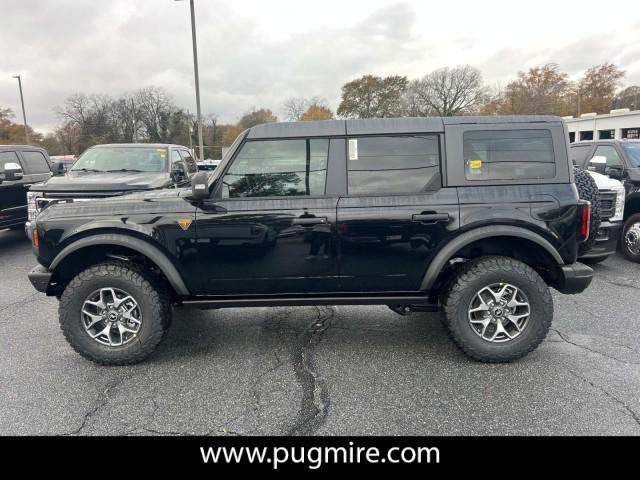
column 630, row 243
column 114, row 314
column 498, row 309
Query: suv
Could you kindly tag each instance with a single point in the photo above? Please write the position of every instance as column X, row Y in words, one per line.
column 20, row 167
column 478, row 216
column 619, row 160
column 115, row 169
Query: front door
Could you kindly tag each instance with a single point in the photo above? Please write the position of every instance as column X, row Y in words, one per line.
column 395, row 213
column 13, row 194
column 270, row 226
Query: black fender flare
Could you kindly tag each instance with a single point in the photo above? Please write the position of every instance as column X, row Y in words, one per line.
column 150, row 251
column 445, row 254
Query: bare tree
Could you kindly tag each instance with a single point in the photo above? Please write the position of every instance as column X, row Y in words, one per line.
column 446, row 92
column 294, row 107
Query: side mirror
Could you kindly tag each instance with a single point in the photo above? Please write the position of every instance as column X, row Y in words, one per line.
column 616, row 173
column 200, row 186
column 598, row 164
column 177, row 172
column 12, row 172
column 58, row 168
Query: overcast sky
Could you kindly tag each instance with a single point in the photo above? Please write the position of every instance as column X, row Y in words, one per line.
column 258, row 53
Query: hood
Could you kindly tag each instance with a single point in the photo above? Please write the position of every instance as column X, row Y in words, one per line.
column 104, row 182
column 603, row 182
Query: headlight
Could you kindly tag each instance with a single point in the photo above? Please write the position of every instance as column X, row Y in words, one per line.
column 32, row 205
column 620, row 196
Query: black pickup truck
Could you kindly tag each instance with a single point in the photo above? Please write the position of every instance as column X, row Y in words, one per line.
column 115, row 169
column 478, row 216
column 20, row 167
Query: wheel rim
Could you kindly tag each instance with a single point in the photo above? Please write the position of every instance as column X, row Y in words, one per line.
column 632, row 239
column 111, row 317
column 499, row 312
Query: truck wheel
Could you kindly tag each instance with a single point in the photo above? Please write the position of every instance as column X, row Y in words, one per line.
column 630, row 243
column 114, row 314
column 588, row 190
column 498, row 309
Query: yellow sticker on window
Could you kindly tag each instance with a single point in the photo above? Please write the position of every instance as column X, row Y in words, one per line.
column 475, row 164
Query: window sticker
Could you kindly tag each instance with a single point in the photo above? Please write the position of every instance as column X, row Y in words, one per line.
column 353, row 149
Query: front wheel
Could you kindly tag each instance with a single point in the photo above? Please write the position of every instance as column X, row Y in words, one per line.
column 498, row 309
column 114, row 314
column 630, row 242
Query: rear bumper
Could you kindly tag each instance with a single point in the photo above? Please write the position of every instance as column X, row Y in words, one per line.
column 40, row 278
column 606, row 242
column 574, row 278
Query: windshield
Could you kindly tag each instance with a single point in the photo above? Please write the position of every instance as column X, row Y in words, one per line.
column 116, row 159
column 633, row 152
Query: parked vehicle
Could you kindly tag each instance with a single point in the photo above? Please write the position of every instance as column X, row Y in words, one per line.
column 607, row 197
column 111, row 170
column 478, row 216
column 20, row 167
column 63, row 163
column 620, row 160
column 208, row 164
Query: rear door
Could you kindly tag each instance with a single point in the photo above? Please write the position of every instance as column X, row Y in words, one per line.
column 13, row 193
column 395, row 213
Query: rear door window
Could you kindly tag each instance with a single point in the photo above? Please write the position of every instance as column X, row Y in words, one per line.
column 508, row 155
column 393, row 164
column 579, row 154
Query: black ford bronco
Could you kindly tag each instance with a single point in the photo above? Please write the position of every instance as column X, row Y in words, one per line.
column 478, row 216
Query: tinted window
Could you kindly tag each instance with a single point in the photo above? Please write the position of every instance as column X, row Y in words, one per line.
column 36, row 163
column 406, row 164
column 609, row 152
column 579, row 154
column 192, row 166
column 633, row 152
column 508, row 155
column 278, row 168
column 8, row 157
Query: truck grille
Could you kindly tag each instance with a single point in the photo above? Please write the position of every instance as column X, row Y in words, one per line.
column 607, row 205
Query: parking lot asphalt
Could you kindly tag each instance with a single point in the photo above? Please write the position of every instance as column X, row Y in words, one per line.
column 322, row 370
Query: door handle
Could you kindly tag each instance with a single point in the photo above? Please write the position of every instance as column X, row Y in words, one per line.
column 309, row 220
column 430, row 217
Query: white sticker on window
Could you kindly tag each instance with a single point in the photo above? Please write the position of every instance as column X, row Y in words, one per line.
column 353, row 149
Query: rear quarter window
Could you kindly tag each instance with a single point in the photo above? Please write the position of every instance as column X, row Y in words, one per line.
column 508, row 155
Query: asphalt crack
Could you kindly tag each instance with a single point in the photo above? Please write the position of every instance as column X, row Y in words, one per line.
column 315, row 395
column 632, row 413
column 584, row 347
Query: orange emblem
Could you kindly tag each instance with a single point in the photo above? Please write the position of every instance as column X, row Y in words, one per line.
column 184, row 223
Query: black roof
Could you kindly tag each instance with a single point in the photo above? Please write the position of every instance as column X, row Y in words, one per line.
column 370, row 126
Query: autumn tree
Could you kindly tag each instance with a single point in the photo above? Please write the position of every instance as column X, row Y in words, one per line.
column 314, row 108
column 256, row 117
column 373, row 97
column 446, row 92
column 229, row 133
column 628, row 98
column 598, row 87
column 13, row 133
column 541, row 90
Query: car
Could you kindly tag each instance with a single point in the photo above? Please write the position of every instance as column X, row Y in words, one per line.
column 620, row 160
column 63, row 163
column 208, row 164
column 475, row 216
column 20, row 167
column 114, row 169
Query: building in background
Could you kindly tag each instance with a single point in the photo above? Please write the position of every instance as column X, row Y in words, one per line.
column 617, row 124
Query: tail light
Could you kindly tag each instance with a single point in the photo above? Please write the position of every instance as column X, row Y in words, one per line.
column 36, row 238
column 585, row 220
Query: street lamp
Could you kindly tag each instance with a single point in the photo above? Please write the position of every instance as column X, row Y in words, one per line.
column 197, row 80
column 24, row 115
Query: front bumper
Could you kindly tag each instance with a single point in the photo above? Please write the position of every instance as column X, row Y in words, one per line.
column 607, row 237
column 574, row 278
column 40, row 278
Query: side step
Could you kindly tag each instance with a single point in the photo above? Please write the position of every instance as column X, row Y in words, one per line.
column 221, row 302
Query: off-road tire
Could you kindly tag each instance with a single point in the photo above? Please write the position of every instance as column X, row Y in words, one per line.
column 635, row 218
column 485, row 271
column 588, row 190
column 150, row 294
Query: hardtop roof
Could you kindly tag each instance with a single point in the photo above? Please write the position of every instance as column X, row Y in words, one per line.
column 372, row 126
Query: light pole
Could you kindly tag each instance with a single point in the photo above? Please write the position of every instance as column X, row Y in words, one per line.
column 24, row 115
column 197, row 79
